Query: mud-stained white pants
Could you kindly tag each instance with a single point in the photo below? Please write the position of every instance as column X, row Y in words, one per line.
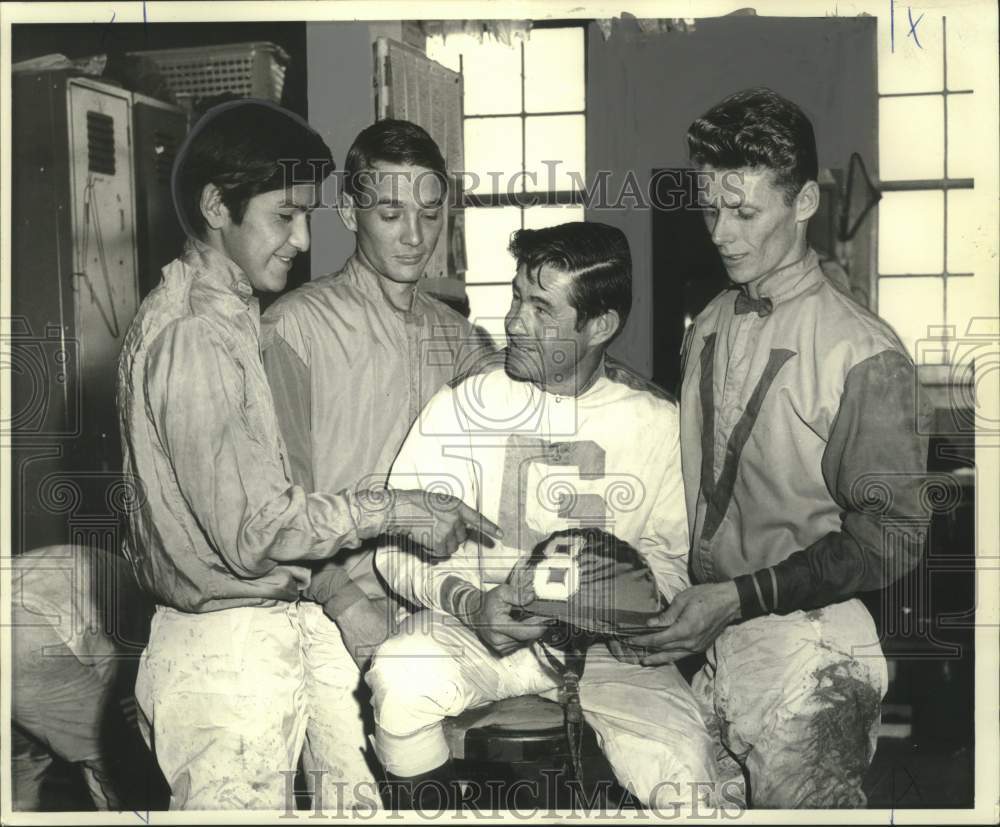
column 795, row 700
column 646, row 719
column 233, row 697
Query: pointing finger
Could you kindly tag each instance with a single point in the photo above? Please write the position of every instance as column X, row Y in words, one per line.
column 473, row 518
column 660, row 658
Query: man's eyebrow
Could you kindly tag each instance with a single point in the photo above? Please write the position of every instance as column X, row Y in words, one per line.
column 732, row 200
column 395, row 203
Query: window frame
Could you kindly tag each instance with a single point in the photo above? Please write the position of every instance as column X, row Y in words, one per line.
column 944, row 331
column 524, row 199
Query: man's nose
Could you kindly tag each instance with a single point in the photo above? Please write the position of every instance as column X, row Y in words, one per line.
column 300, row 233
column 513, row 324
column 413, row 234
column 722, row 229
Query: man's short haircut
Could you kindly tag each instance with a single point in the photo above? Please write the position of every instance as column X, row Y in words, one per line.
column 390, row 141
column 757, row 128
column 245, row 147
column 596, row 255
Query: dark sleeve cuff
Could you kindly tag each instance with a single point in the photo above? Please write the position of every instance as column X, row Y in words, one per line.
column 346, row 596
column 461, row 599
column 758, row 593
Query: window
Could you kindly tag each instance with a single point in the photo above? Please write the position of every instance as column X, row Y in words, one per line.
column 927, row 219
column 525, row 147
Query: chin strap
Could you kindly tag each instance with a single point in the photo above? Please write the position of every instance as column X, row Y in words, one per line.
column 567, row 674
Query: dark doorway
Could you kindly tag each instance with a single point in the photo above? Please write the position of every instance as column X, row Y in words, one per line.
column 687, row 269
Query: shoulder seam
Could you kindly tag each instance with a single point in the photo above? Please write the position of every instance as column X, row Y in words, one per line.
column 877, row 327
column 622, row 374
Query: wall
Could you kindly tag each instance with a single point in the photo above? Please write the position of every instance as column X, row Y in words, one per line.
column 643, row 90
column 341, row 104
column 80, row 39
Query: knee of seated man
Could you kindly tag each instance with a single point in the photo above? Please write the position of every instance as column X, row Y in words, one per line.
column 661, row 775
column 412, row 687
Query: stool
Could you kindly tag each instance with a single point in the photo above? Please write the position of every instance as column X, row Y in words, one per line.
column 513, row 754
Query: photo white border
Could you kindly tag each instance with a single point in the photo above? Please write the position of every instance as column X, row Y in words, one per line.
column 984, row 41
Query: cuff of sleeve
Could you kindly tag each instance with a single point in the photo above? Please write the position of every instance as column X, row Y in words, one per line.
column 346, row 596
column 757, row 594
column 461, row 599
column 371, row 509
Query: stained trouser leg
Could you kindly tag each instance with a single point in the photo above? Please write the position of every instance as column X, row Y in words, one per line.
column 728, row 767
column 431, row 669
column 800, row 697
column 225, row 694
column 651, row 729
column 335, row 752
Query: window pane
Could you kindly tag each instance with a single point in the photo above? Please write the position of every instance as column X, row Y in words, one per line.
column 487, row 233
column 537, row 218
column 911, row 138
column 967, row 42
column 967, row 230
column 911, row 232
column 911, row 306
column 968, row 298
column 911, row 67
column 492, row 145
column 560, row 141
column 492, row 72
column 965, row 137
column 447, row 52
column 489, row 306
column 553, row 70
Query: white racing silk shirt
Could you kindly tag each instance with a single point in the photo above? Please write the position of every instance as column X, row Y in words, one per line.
column 534, row 463
column 804, row 450
column 217, row 522
column 349, row 373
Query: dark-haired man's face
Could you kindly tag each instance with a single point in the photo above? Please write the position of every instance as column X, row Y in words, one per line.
column 543, row 345
column 274, row 229
column 398, row 217
column 749, row 221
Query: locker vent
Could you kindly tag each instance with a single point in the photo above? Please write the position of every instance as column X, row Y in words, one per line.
column 101, row 143
column 165, row 147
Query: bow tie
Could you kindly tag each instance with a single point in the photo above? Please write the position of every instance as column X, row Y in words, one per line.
column 748, row 304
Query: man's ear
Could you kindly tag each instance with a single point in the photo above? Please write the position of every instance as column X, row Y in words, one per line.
column 807, row 201
column 216, row 213
column 603, row 327
column 348, row 212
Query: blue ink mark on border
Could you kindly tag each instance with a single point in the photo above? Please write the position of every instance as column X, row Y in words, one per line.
column 913, row 26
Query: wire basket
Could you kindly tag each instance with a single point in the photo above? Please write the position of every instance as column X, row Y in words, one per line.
column 244, row 69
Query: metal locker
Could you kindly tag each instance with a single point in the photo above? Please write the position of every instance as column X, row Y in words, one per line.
column 103, row 229
column 73, row 294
